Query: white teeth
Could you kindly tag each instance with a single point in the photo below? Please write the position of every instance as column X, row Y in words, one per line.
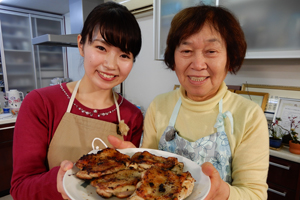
column 106, row 76
column 197, row 78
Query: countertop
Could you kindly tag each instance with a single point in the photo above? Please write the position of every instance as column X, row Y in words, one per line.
column 284, row 153
column 6, row 118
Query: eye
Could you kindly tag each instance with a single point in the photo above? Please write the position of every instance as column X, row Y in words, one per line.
column 186, row 51
column 101, row 48
column 210, row 52
column 125, row 56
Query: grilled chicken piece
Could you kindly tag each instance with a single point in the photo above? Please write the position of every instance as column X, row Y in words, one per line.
column 121, row 184
column 159, row 184
column 106, row 161
column 144, row 160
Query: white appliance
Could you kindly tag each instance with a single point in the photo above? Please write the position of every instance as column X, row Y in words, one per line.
column 137, row 6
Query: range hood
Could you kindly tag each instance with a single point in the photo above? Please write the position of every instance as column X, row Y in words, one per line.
column 79, row 10
column 56, row 40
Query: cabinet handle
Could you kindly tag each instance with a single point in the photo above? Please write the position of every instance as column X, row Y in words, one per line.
column 276, row 192
column 9, row 127
column 280, row 166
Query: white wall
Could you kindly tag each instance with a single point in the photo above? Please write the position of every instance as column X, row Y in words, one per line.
column 149, row 77
column 75, row 61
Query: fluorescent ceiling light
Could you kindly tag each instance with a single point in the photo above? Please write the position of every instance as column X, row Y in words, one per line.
column 119, row 2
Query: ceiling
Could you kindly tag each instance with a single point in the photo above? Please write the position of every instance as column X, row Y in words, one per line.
column 51, row 6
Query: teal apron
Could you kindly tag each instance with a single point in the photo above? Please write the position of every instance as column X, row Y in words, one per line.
column 213, row 148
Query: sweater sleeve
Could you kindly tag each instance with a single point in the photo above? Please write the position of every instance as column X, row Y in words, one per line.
column 136, row 130
column 251, row 159
column 31, row 178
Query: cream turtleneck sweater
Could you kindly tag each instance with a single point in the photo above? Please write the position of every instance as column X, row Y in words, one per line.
column 249, row 142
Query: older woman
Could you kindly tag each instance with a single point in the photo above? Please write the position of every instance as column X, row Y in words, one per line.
column 202, row 120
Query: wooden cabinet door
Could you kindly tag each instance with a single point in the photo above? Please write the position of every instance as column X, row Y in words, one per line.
column 283, row 179
column 283, row 172
column 6, row 142
column 276, row 192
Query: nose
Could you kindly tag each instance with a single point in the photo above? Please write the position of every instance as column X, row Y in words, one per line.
column 110, row 61
column 199, row 61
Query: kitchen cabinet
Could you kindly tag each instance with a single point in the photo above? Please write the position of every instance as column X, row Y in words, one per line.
column 26, row 67
column 271, row 27
column 6, row 142
column 283, row 179
column 16, row 52
column 49, row 60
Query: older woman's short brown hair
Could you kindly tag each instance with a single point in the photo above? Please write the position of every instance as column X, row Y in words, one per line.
column 190, row 20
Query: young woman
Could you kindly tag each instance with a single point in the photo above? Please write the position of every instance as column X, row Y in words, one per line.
column 59, row 123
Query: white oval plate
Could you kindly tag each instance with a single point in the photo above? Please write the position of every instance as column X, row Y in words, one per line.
column 74, row 190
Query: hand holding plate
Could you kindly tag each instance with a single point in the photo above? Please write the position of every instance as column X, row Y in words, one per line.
column 64, row 166
column 219, row 189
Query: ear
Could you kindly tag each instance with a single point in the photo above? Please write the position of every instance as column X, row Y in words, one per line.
column 80, row 45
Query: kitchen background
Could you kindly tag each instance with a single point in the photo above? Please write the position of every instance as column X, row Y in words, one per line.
column 149, row 77
column 32, row 66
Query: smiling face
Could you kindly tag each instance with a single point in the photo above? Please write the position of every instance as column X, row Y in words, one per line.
column 200, row 63
column 106, row 66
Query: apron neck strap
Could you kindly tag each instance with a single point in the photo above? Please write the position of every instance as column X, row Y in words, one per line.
column 117, row 106
column 220, row 106
column 175, row 113
column 73, row 96
column 220, row 124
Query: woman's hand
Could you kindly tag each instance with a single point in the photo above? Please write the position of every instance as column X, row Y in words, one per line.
column 119, row 144
column 219, row 189
column 64, row 166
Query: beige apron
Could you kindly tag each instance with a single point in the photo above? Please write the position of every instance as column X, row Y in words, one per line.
column 74, row 135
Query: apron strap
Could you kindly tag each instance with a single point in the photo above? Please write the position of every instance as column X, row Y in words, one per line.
column 175, row 113
column 117, row 106
column 220, row 119
column 73, row 96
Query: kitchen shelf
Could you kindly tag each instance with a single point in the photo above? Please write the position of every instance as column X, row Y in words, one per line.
column 16, row 37
column 51, row 69
column 19, row 74
column 45, row 30
column 20, row 86
column 18, row 63
column 15, row 26
column 50, row 52
column 17, row 51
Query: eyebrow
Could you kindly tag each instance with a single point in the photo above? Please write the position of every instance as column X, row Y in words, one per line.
column 99, row 39
column 209, row 40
